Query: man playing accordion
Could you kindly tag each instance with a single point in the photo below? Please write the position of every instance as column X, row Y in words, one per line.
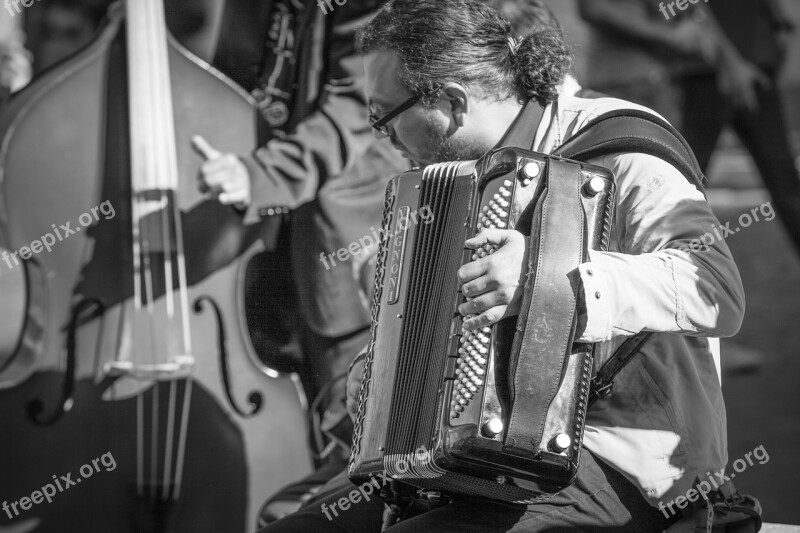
column 445, row 80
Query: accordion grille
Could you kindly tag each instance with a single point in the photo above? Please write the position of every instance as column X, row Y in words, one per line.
column 437, row 255
column 366, row 376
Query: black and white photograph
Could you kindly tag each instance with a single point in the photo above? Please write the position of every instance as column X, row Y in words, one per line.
column 415, row 266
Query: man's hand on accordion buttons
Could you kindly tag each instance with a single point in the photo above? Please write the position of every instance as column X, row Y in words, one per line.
column 493, row 284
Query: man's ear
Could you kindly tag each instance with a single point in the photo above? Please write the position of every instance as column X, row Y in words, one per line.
column 457, row 98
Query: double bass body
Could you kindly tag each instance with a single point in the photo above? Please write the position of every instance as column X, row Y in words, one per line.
column 195, row 451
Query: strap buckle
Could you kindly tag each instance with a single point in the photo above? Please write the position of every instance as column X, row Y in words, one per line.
column 598, row 392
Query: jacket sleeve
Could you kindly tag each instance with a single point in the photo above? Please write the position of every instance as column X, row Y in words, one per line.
column 669, row 269
column 286, row 172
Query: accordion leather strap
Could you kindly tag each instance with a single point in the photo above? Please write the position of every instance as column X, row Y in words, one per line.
column 522, row 131
column 542, row 345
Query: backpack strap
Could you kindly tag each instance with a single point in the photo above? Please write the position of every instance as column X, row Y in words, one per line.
column 619, row 132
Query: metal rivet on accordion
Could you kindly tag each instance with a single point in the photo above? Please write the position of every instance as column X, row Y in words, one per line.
column 531, row 170
column 492, row 427
column 560, row 442
column 595, row 186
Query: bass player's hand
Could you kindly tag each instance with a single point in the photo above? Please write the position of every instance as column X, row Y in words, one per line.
column 223, row 175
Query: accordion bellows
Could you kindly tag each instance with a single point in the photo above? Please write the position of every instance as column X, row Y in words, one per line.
column 435, row 399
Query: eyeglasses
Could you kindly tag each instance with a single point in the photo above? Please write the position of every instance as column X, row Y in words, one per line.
column 380, row 124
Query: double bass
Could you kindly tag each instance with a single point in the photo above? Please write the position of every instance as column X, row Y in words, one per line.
column 133, row 385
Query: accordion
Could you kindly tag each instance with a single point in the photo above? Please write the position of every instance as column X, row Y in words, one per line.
column 442, row 408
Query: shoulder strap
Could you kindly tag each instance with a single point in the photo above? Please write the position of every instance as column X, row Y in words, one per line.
column 630, row 131
column 633, row 131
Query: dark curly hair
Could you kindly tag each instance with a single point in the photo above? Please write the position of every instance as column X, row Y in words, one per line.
column 465, row 41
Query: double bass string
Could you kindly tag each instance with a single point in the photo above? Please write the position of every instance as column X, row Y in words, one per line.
column 156, row 176
column 187, row 343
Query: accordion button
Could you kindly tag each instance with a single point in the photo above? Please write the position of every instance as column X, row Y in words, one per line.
column 492, row 427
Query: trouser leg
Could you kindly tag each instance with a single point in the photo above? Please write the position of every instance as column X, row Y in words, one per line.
column 764, row 133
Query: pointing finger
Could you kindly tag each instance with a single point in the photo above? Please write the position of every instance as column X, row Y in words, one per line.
column 203, row 148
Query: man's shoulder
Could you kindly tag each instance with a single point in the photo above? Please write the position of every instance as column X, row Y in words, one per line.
column 575, row 112
column 632, row 169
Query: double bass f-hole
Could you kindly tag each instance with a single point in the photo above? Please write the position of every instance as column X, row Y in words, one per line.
column 84, row 311
column 134, row 339
column 255, row 398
